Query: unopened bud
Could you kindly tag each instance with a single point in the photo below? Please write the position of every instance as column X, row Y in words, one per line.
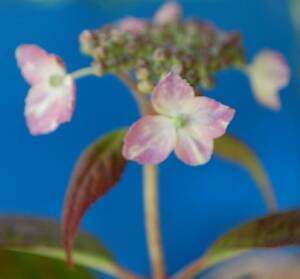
column 142, row 73
column 145, row 86
column 98, row 68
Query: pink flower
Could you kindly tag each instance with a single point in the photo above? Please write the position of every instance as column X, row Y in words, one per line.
column 184, row 122
column 168, row 13
column 269, row 73
column 133, row 25
column 51, row 98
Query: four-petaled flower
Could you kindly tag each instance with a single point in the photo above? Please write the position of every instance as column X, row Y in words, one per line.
column 185, row 122
column 269, row 72
column 51, row 98
column 168, row 13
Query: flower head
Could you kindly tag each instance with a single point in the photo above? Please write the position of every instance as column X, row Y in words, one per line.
column 133, row 25
column 51, row 98
column 269, row 73
column 185, row 123
column 168, row 13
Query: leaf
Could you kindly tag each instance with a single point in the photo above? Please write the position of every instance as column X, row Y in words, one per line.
column 97, row 171
column 274, row 231
column 233, row 149
column 16, row 265
column 41, row 237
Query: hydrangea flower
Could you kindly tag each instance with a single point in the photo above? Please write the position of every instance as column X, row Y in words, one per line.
column 51, row 98
column 133, row 25
column 185, row 123
column 269, row 72
column 168, row 13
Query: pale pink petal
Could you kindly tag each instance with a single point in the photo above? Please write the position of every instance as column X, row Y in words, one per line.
column 269, row 73
column 192, row 147
column 209, row 117
column 169, row 94
column 47, row 107
column 204, row 120
column 168, row 13
column 150, row 140
column 37, row 65
column 133, row 25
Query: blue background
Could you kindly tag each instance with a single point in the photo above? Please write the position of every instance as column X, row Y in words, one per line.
column 197, row 204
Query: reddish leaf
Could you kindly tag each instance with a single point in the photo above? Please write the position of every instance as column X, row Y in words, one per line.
column 97, row 171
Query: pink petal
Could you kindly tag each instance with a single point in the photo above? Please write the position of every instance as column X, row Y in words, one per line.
column 132, row 25
column 205, row 119
column 150, row 140
column 169, row 94
column 37, row 65
column 168, row 13
column 47, row 107
column 193, row 148
column 209, row 117
column 269, row 73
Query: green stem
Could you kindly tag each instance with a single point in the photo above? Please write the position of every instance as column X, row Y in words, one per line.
column 150, row 192
column 87, row 71
column 140, row 98
column 152, row 222
column 191, row 270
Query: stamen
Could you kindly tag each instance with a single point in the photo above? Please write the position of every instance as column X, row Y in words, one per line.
column 180, row 121
column 56, row 81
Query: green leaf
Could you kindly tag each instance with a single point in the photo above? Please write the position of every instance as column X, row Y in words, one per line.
column 233, row 149
column 274, row 231
column 41, row 237
column 16, row 265
column 99, row 169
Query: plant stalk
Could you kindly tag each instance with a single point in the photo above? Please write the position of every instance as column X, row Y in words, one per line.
column 152, row 222
column 87, row 71
column 140, row 98
column 191, row 270
column 150, row 191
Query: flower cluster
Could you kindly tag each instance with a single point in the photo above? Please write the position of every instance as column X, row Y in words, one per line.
column 178, row 56
column 150, row 49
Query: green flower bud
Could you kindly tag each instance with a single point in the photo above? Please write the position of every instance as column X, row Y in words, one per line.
column 145, row 86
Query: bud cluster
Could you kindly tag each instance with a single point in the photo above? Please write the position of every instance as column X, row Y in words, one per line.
column 195, row 50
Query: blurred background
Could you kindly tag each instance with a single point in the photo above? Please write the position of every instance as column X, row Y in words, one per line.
column 197, row 204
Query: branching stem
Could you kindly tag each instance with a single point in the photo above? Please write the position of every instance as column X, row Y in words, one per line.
column 139, row 97
column 84, row 72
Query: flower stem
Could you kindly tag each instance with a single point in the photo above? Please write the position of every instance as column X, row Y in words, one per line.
column 150, row 191
column 126, row 274
column 152, row 222
column 139, row 97
column 191, row 270
column 87, row 71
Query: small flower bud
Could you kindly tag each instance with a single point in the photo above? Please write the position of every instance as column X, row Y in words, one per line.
column 98, row 68
column 168, row 13
column 208, row 83
column 177, row 69
column 145, row 86
column 100, row 52
column 87, row 41
column 142, row 73
column 160, row 54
